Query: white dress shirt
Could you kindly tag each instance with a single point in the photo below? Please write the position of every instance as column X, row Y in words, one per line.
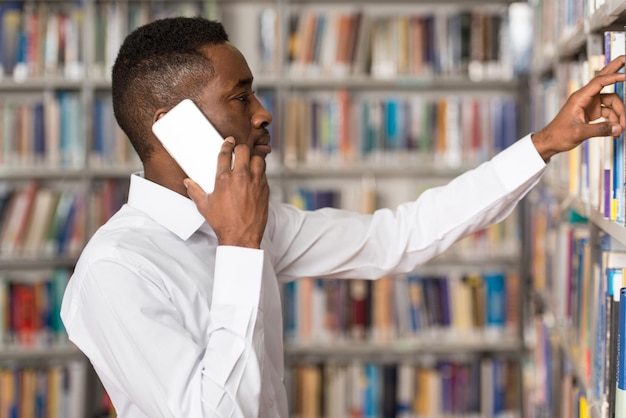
column 177, row 326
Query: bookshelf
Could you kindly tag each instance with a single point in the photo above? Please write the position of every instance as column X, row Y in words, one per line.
column 64, row 160
column 314, row 162
column 81, row 156
column 575, row 224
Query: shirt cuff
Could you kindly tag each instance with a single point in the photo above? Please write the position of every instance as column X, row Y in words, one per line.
column 517, row 163
column 238, row 274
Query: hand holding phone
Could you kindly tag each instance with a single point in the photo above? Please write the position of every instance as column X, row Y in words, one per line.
column 193, row 142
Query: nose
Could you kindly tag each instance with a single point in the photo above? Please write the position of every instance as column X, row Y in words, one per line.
column 261, row 117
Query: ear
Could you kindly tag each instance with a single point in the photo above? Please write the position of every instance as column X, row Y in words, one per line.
column 159, row 114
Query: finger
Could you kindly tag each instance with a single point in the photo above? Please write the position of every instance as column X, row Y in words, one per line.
column 194, row 191
column 225, row 157
column 242, row 158
column 612, row 66
column 598, row 83
column 257, row 166
column 612, row 101
column 599, row 129
column 610, row 115
column 615, row 103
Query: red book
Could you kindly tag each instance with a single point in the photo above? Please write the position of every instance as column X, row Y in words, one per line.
column 358, row 309
column 24, row 313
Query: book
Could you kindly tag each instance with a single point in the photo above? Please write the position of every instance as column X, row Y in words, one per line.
column 44, row 206
column 16, row 219
column 25, row 321
column 614, row 278
column 405, row 390
column 11, row 16
column 4, row 308
column 495, row 299
column 61, row 226
column 358, row 309
column 620, row 363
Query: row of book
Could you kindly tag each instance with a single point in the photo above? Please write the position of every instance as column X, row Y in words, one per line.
column 337, row 129
column 557, row 20
column 329, row 129
column 116, row 19
column 110, row 145
column 552, row 385
column 45, row 391
column 43, row 131
column 47, row 39
column 44, row 39
column 580, row 277
column 486, row 387
column 341, row 43
column 41, row 221
column 30, row 307
column 46, row 221
column 48, row 131
column 41, row 40
column 594, row 171
column 401, row 309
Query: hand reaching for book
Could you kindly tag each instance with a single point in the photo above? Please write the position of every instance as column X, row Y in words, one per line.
column 587, row 113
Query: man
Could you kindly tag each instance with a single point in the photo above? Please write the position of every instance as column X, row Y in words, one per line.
column 176, row 301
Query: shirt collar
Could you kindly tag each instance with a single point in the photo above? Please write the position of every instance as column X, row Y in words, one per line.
column 169, row 209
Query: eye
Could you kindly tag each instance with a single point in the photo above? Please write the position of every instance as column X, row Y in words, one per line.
column 245, row 96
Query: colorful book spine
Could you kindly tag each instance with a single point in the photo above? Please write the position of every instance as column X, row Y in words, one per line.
column 447, row 132
column 620, row 392
column 30, row 309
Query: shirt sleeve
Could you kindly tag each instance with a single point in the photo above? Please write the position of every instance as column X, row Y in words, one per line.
column 336, row 243
column 137, row 340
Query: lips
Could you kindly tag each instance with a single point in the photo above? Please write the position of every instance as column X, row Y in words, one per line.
column 263, row 148
column 263, row 144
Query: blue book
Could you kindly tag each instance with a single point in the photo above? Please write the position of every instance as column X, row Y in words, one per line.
column 446, row 371
column 620, row 392
column 319, row 36
column 372, row 391
column 496, row 300
column 392, row 139
column 444, row 295
column 289, row 308
column 99, row 139
column 416, row 304
column 499, row 386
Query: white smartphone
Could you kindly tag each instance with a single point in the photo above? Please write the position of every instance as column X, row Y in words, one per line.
column 192, row 141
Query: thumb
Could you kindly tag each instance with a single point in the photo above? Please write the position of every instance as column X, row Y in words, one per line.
column 194, row 191
column 601, row 129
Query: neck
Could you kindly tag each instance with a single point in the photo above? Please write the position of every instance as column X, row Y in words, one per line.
column 166, row 174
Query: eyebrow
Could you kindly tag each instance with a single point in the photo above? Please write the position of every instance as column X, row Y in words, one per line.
column 244, row 82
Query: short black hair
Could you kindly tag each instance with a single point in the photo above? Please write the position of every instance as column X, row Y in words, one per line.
column 158, row 65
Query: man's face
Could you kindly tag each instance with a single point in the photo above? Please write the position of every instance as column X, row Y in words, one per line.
column 229, row 101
